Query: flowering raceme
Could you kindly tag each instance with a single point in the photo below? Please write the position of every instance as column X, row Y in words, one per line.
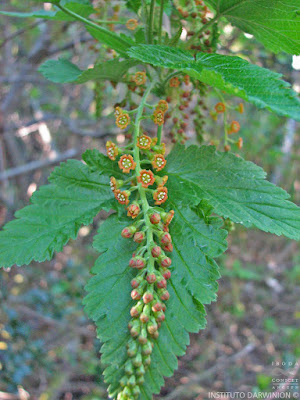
column 149, row 229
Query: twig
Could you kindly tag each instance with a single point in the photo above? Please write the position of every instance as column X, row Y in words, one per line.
column 34, row 165
column 19, row 32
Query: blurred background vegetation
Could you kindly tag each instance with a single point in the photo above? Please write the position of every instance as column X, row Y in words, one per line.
column 48, row 348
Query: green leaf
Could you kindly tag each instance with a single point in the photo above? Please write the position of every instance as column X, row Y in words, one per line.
column 120, row 43
column 233, row 75
column 237, row 189
column 193, row 283
column 276, row 25
column 63, row 71
column 73, row 198
column 83, row 10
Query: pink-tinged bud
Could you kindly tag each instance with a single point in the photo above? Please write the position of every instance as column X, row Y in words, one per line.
column 134, row 312
column 155, row 218
column 157, row 307
column 139, row 237
column 134, row 332
column 135, row 283
column 135, row 295
column 132, row 263
column 152, row 328
column 165, row 296
column 167, row 217
column 165, row 262
column 133, row 210
column 164, row 307
column 151, row 278
column 140, row 262
column 148, row 297
column 128, row 232
column 155, row 335
column 167, row 274
column 156, row 251
column 142, row 339
column 168, row 247
column 165, row 238
column 160, row 317
column 162, row 283
column 144, row 318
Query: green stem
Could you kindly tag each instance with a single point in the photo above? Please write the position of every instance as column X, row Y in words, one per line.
column 161, row 13
column 151, row 21
column 142, row 191
column 159, row 134
column 87, row 22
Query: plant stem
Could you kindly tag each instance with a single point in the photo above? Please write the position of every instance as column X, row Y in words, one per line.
column 159, row 134
column 161, row 13
column 88, row 22
column 151, row 21
column 141, row 190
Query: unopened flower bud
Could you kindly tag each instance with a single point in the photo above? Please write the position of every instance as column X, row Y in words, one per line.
column 137, row 361
column 135, row 295
column 162, row 283
column 144, row 318
column 160, row 316
column 135, row 283
column 139, row 237
column 128, row 232
column 157, row 307
column 151, row 278
column 136, row 391
column 155, row 335
column 156, row 251
column 133, row 210
column 147, row 348
column 155, row 218
column 132, row 348
column 129, row 368
column 165, row 261
column 165, row 238
column 139, row 262
column 152, row 328
column 167, row 274
column 141, row 380
column 123, row 381
column 140, row 371
column 148, row 297
column 147, row 360
column 131, row 381
column 135, row 312
column 168, row 247
column 165, row 296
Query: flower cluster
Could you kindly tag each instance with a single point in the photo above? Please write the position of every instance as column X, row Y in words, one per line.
column 149, row 229
column 149, row 291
